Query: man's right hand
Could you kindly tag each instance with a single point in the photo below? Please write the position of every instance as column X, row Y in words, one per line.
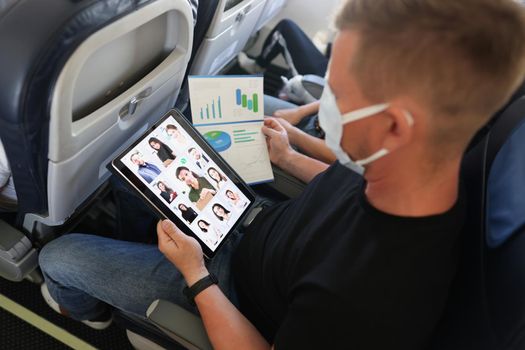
column 277, row 141
column 292, row 131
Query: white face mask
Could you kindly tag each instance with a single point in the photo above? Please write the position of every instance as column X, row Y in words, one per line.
column 332, row 122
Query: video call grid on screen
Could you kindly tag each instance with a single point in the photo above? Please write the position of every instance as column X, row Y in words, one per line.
column 211, row 211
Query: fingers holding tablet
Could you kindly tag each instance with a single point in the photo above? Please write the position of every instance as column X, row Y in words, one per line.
column 182, row 250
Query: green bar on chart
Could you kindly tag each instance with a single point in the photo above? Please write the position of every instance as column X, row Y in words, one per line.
column 244, row 101
column 245, row 133
column 255, row 103
column 243, row 138
column 242, row 141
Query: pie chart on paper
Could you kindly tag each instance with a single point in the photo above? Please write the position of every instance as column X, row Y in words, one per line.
column 219, row 140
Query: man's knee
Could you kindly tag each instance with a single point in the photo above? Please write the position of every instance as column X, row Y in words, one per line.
column 60, row 253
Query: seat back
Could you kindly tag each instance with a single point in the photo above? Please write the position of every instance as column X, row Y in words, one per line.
column 231, row 27
column 271, row 9
column 90, row 77
column 205, row 13
column 486, row 308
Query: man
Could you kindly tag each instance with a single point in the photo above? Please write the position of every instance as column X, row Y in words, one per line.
column 147, row 170
column 198, row 157
column 357, row 263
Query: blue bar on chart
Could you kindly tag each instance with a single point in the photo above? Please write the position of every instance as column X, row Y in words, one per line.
column 216, row 110
column 238, row 96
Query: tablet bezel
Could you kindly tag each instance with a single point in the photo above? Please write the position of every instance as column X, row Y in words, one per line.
column 118, row 168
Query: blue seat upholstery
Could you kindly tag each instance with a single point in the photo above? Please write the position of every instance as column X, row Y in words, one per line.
column 506, row 190
column 486, row 307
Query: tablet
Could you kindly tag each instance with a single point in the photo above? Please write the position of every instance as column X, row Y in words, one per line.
column 185, row 180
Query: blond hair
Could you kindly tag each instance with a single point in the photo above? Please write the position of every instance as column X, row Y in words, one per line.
column 460, row 58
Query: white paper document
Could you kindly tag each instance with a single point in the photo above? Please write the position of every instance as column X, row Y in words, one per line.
column 229, row 111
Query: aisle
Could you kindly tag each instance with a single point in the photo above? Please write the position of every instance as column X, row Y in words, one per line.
column 36, row 326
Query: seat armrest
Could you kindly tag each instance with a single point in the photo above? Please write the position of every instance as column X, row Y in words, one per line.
column 179, row 324
column 18, row 258
column 314, row 84
column 286, row 184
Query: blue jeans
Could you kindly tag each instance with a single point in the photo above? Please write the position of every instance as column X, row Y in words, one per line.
column 85, row 273
column 307, row 124
column 298, row 50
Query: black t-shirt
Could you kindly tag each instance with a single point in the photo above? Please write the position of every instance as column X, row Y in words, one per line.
column 329, row 271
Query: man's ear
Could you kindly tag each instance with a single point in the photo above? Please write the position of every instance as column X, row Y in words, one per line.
column 401, row 128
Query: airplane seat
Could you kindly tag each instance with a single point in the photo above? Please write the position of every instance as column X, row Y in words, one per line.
column 271, row 9
column 486, row 307
column 232, row 25
column 205, row 13
column 81, row 80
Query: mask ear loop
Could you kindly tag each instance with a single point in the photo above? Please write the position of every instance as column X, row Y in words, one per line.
column 381, row 153
column 364, row 113
column 409, row 118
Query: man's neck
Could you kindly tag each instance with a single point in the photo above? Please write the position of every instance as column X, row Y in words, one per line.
column 412, row 193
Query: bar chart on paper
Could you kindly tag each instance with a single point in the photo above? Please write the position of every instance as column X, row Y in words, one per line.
column 212, row 111
column 226, row 99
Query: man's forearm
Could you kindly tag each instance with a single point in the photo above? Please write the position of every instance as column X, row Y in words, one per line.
column 226, row 327
column 309, row 109
column 301, row 166
column 312, row 146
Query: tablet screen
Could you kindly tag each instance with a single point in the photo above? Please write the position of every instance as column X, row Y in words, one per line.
column 172, row 164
